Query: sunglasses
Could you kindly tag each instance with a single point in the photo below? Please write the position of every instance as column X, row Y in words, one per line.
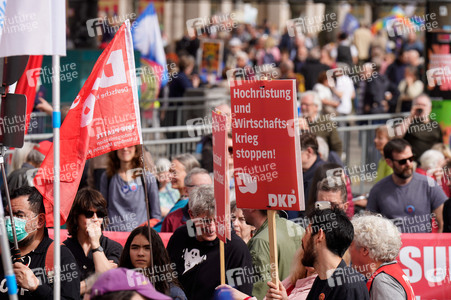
column 230, row 150
column 404, row 161
column 89, row 214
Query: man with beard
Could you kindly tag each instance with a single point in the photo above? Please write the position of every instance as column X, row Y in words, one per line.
column 33, row 277
column 326, row 239
column 405, row 196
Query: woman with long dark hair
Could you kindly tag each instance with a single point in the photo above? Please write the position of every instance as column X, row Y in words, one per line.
column 122, row 187
column 136, row 255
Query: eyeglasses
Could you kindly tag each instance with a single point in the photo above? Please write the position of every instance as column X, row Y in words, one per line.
column 89, row 214
column 404, row 161
column 230, row 150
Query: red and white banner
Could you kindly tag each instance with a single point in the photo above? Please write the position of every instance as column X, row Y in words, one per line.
column 221, row 175
column 426, row 260
column 267, row 155
column 104, row 117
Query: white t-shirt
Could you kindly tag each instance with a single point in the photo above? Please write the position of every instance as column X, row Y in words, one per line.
column 345, row 85
column 323, row 91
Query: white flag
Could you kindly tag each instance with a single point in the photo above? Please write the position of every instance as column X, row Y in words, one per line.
column 34, row 27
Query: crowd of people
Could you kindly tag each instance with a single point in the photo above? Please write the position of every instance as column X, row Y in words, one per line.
column 338, row 248
column 315, row 247
column 380, row 73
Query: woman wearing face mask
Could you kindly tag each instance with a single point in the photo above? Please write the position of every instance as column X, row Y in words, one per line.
column 92, row 251
column 136, row 255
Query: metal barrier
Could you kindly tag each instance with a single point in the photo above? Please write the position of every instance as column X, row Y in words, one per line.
column 357, row 139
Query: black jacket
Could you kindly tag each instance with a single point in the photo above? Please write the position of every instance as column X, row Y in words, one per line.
column 70, row 278
column 197, row 263
column 311, row 70
column 111, row 249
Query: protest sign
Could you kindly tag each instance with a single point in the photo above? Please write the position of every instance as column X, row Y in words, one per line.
column 267, row 156
column 211, row 57
column 221, row 177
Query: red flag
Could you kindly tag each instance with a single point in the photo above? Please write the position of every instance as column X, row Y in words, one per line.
column 104, row 117
column 28, row 82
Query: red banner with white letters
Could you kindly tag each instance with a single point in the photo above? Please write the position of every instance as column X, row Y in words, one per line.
column 104, row 117
column 267, row 153
column 426, row 260
column 221, row 177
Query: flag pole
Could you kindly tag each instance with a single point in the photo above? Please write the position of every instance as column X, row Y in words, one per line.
column 6, row 254
column 56, row 182
column 146, row 198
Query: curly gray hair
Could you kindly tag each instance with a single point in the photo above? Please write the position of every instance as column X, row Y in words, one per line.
column 379, row 235
column 202, row 201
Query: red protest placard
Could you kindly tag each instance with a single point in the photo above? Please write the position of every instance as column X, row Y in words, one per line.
column 221, row 177
column 267, row 155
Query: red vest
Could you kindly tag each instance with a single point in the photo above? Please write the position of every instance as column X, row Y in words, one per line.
column 395, row 271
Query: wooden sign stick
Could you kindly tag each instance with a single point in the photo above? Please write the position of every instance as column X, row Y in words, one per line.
column 222, row 261
column 273, row 247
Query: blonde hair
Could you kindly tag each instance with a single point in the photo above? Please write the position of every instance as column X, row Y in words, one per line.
column 444, row 149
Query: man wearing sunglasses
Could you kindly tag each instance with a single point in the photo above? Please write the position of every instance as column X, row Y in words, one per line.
column 405, row 196
column 33, row 278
